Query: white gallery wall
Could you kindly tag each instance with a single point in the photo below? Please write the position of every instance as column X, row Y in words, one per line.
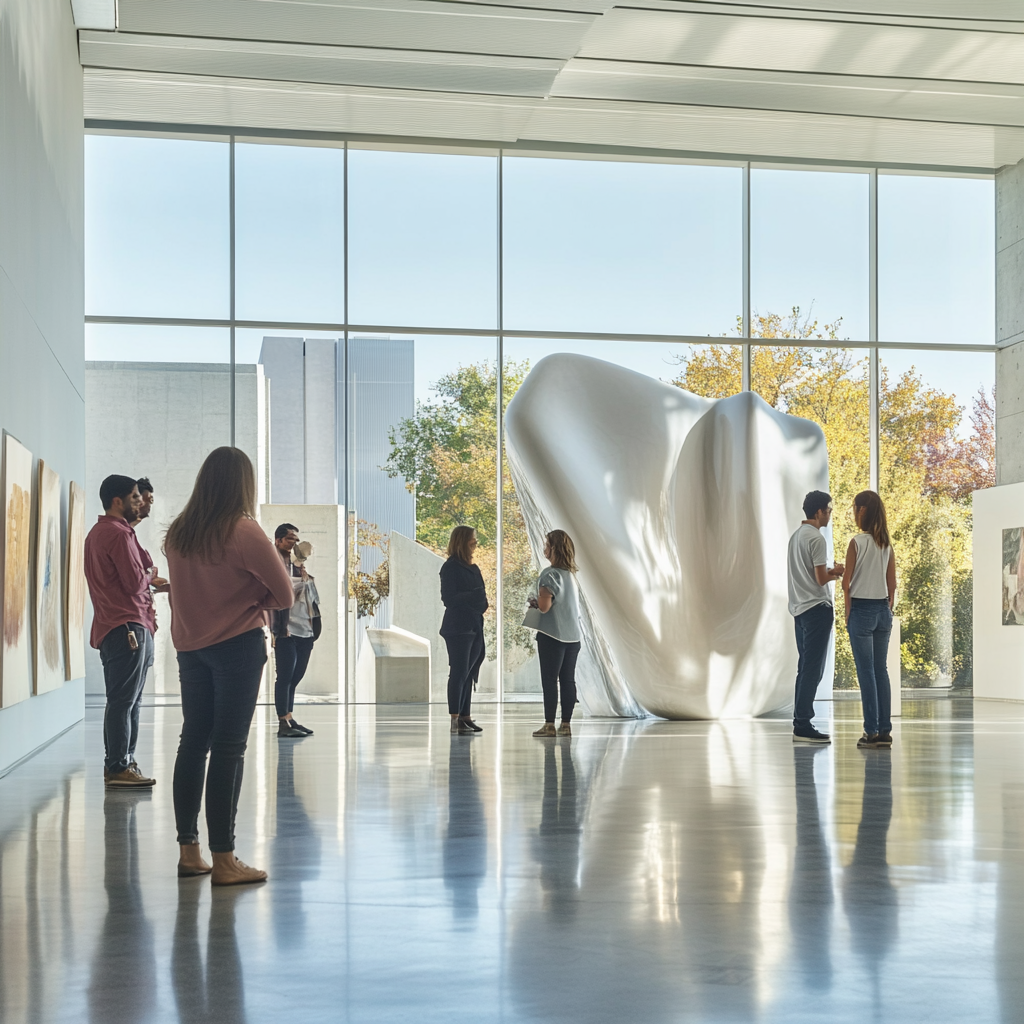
column 42, row 389
column 998, row 648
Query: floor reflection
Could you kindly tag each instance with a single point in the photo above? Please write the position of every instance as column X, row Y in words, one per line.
column 210, row 992
column 465, row 842
column 869, row 897
column 665, row 872
column 295, row 852
column 122, row 988
column 810, row 891
column 557, row 846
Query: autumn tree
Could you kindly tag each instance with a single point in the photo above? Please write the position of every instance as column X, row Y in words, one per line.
column 927, row 474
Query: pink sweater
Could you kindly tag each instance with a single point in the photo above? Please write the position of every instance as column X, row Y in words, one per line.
column 211, row 602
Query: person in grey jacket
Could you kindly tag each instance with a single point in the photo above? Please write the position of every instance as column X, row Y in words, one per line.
column 465, row 601
column 558, row 636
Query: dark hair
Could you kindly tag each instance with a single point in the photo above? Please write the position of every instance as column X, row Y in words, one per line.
column 873, row 520
column 815, row 502
column 144, row 484
column 284, row 529
column 563, row 551
column 224, row 492
column 115, row 486
column 458, row 544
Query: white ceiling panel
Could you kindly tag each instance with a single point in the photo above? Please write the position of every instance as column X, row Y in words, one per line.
column 334, row 65
column 200, row 100
column 795, row 44
column 985, row 10
column 400, row 24
column 763, row 134
column 94, row 13
column 786, row 91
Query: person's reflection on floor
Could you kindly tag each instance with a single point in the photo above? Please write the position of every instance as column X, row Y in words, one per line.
column 214, row 993
column 810, row 894
column 465, row 844
column 122, row 987
column 869, row 897
column 295, row 853
column 557, row 846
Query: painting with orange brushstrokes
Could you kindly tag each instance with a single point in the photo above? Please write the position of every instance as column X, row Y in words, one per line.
column 16, row 655
column 74, row 585
column 48, row 660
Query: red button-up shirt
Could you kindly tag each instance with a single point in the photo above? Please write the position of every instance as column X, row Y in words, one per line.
column 118, row 576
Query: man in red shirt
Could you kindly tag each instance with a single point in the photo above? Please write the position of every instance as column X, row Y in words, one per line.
column 119, row 574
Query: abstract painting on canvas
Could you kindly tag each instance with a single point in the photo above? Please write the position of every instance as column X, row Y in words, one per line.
column 49, row 608
column 74, row 586
column 16, row 655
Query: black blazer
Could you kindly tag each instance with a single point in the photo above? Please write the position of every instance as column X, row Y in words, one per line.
column 464, row 598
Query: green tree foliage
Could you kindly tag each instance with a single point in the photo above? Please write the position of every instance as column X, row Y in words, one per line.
column 447, row 455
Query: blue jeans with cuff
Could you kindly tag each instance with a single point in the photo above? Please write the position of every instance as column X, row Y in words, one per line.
column 813, row 629
column 124, row 676
column 869, row 626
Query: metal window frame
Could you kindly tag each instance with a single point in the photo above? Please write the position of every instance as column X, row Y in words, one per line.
column 345, row 329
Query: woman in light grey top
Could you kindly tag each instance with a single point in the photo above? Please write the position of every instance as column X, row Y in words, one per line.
column 558, row 632
column 869, row 584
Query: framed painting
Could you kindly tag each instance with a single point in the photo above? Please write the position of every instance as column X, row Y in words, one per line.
column 48, row 649
column 16, row 535
column 74, row 586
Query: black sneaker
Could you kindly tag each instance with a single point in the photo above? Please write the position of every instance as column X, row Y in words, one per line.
column 885, row 739
column 810, row 735
column 301, row 728
column 869, row 742
column 286, row 730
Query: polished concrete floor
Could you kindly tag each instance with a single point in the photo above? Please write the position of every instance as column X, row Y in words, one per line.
column 645, row 871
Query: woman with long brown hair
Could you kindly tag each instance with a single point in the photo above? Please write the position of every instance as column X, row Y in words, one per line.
column 558, row 631
column 226, row 577
column 465, row 601
column 869, row 585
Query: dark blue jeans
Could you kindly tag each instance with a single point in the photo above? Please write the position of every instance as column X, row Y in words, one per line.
column 813, row 629
column 219, row 687
column 291, row 655
column 124, row 675
column 869, row 627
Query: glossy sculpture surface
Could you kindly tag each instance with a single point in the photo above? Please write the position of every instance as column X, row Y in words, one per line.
column 681, row 509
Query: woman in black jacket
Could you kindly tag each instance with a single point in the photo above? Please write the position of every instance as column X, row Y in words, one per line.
column 465, row 601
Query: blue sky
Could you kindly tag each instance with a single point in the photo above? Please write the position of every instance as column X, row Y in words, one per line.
column 589, row 245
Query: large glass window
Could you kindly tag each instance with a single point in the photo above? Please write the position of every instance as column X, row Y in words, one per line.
column 422, row 449
column 157, row 401
column 606, row 246
column 809, row 250
column 937, row 418
column 936, row 262
column 401, row 428
column 289, row 233
column 423, row 239
column 157, row 231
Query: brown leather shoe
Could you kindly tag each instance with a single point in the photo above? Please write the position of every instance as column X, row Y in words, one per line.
column 127, row 779
column 547, row 729
column 133, row 767
column 564, row 729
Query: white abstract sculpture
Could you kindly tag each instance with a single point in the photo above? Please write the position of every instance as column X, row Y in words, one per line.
column 681, row 509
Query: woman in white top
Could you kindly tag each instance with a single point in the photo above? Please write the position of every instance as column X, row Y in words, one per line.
column 558, row 635
column 869, row 584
